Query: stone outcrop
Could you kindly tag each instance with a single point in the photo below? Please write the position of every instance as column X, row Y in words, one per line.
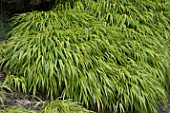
column 19, row 6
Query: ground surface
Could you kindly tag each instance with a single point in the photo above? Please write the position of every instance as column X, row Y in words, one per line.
column 163, row 110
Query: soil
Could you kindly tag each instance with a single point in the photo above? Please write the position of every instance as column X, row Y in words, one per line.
column 18, row 98
column 163, row 109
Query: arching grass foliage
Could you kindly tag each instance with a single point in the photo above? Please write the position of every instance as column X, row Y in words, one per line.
column 1, row 49
column 144, row 20
column 56, row 106
column 116, row 60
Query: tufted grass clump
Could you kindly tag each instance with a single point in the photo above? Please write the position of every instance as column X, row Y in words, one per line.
column 56, row 106
column 143, row 20
column 72, row 55
column 17, row 109
column 63, row 106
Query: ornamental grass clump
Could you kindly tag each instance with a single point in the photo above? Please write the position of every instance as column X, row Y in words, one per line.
column 17, row 109
column 143, row 20
column 56, row 106
column 71, row 55
column 63, row 106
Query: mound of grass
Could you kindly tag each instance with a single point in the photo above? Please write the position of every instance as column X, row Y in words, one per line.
column 63, row 106
column 56, row 106
column 141, row 20
column 72, row 55
column 17, row 109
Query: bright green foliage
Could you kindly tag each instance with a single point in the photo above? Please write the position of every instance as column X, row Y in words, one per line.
column 128, row 13
column 1, row 50
column 70, row 54
column 56, row 106
column 106, row 59
column 138, row 19
column 63, row 106
column 17, row 109
column 143, row 20
column 3, row 91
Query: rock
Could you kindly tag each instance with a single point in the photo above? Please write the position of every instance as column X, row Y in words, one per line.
column 13, row 6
